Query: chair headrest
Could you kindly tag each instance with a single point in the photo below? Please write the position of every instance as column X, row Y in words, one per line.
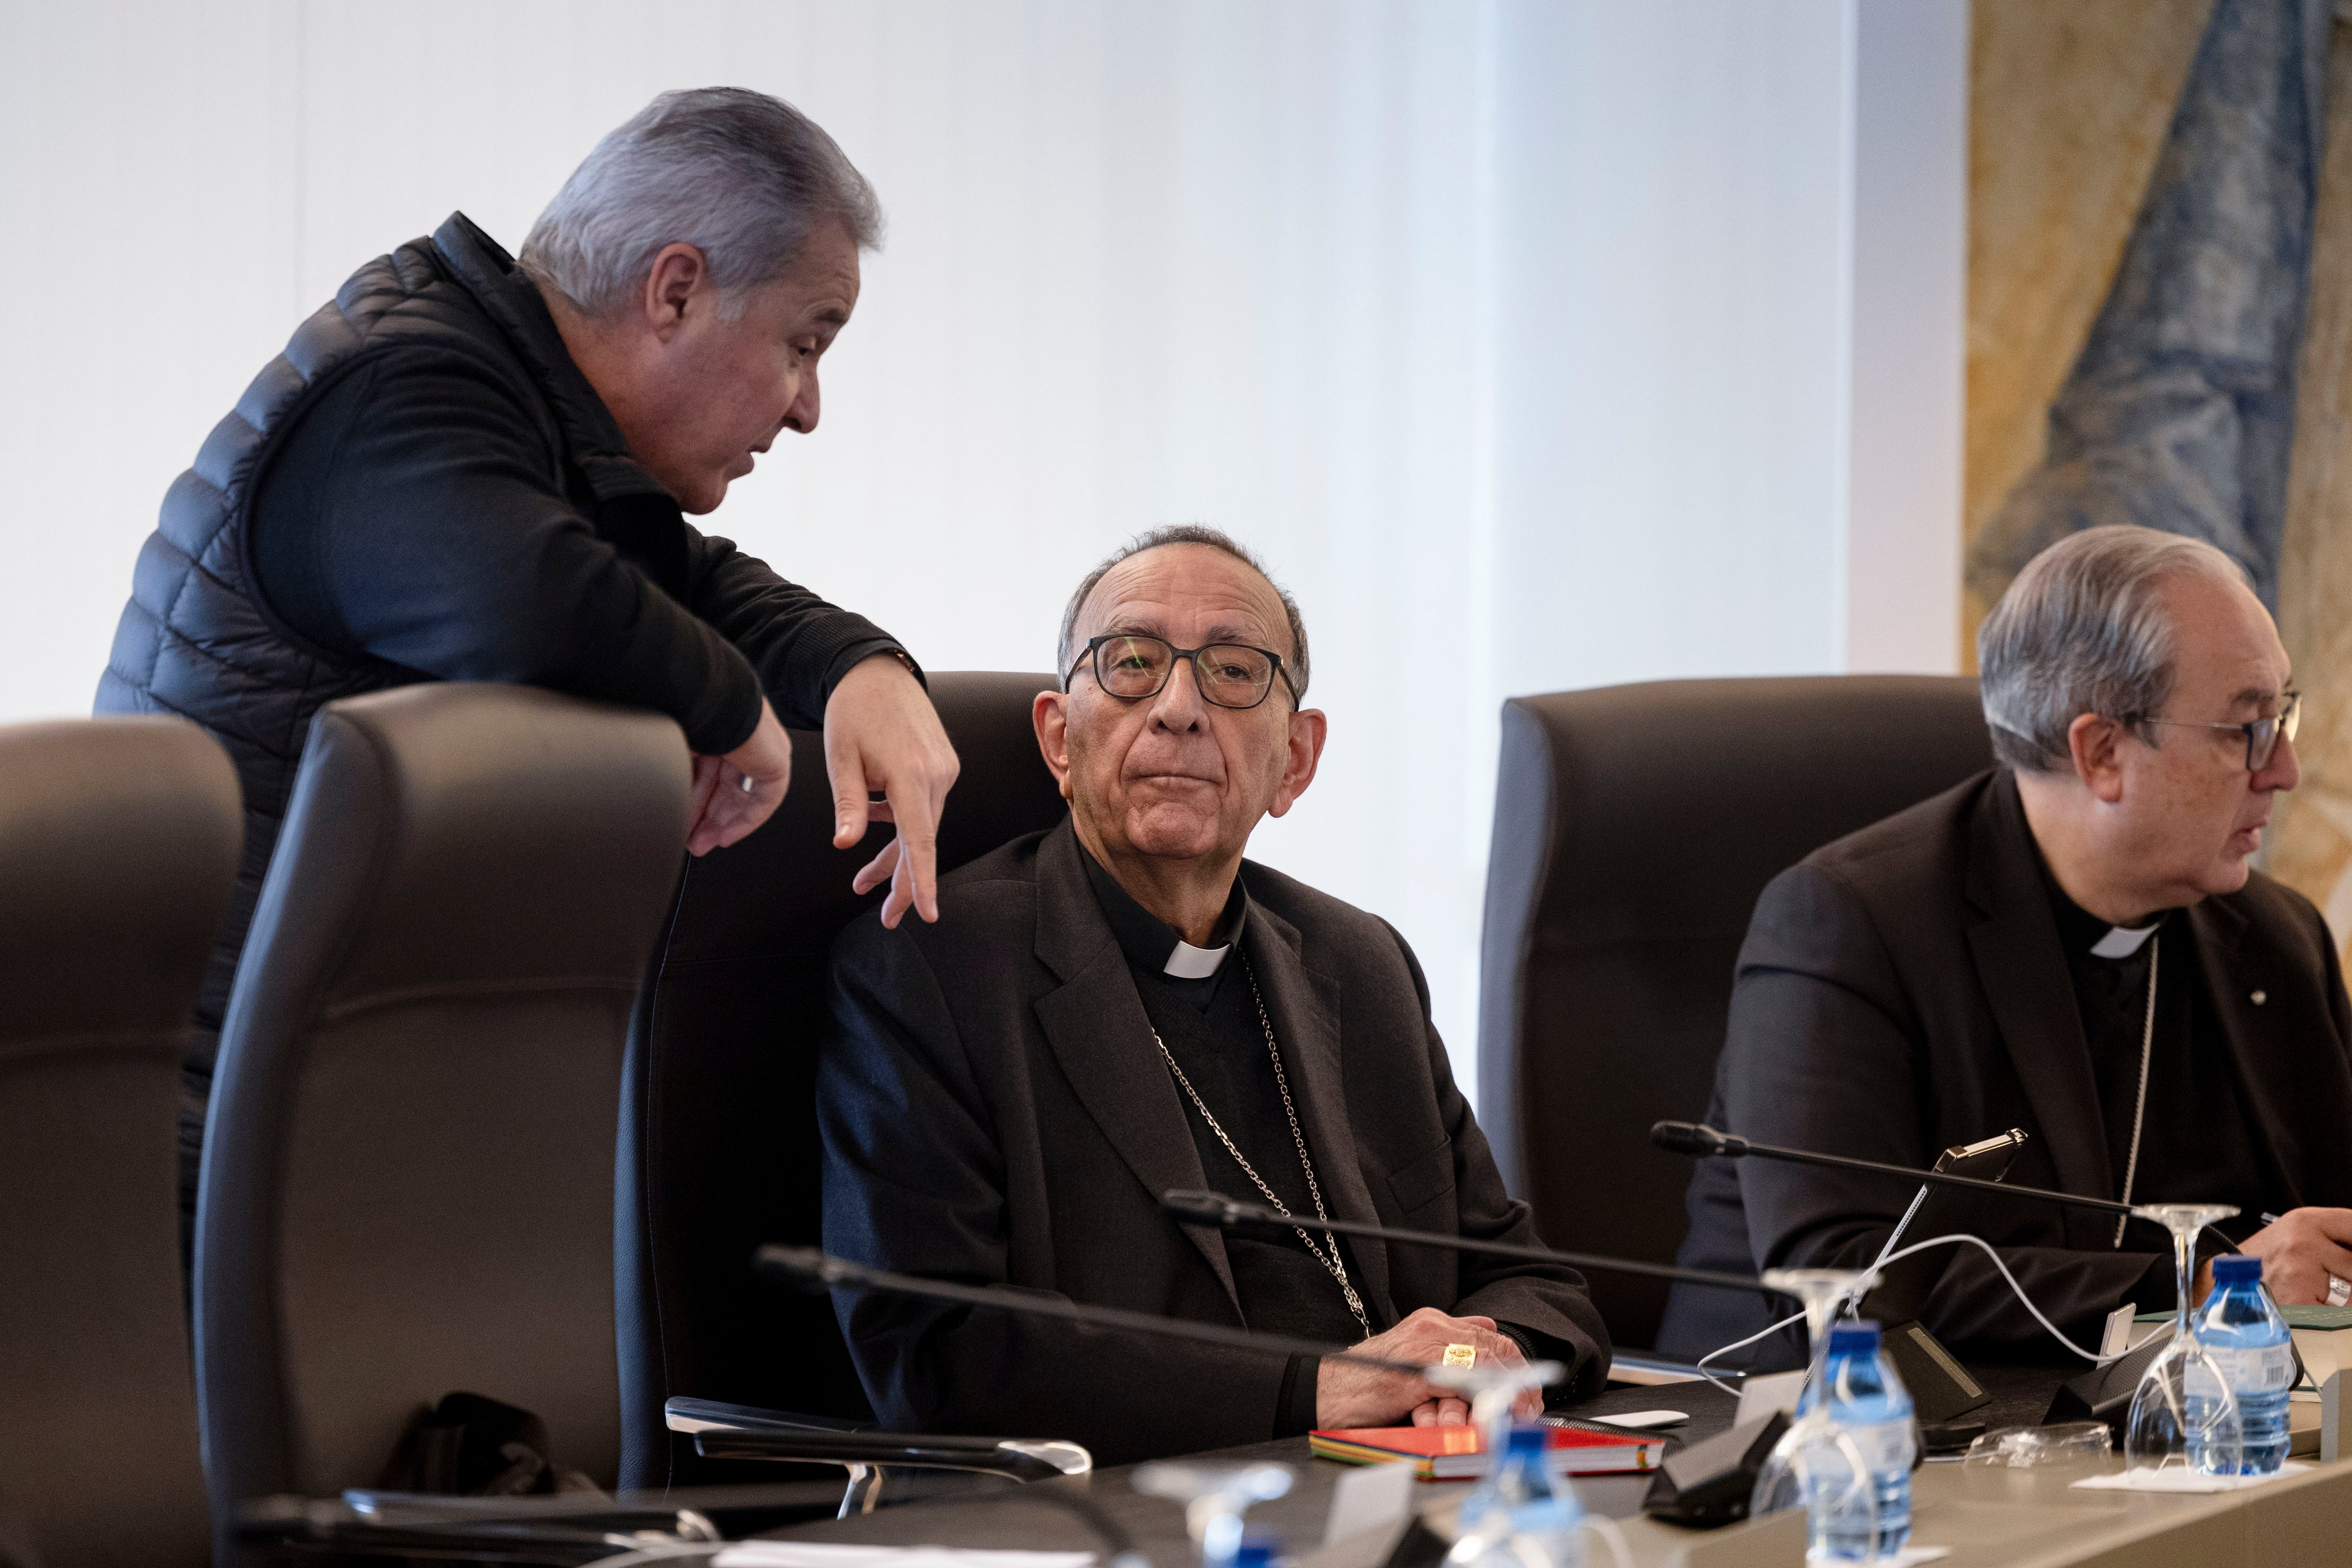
column 447, row 834
column 119, row 841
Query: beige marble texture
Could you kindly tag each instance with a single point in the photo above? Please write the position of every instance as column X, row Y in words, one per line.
column 2068, row 102
column 2309, row 845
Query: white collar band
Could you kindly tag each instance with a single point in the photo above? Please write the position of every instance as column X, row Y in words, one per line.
column 2121, row 941
column 1191, row 963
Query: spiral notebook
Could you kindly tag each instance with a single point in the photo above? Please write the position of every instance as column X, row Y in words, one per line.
column 1455, row 1453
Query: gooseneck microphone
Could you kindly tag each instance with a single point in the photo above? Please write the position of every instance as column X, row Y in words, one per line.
column 1698, row 1140
column 812, row 1269
column 1214, row 1209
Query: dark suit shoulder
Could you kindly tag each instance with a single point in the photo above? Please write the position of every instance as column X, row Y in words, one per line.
column 1324, row 923
column 987, row 905
column 2279, row 917
column 1917, row 847
column 1854, row 908
column 1014, row 860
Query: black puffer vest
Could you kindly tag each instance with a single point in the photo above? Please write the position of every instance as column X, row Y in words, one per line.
column 196, row 640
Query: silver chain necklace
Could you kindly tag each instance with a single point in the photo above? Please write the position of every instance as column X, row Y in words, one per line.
column 1333, row 1264
column 2140, row 1106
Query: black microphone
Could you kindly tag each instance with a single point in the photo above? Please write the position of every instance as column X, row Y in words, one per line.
column 1214, row 1209
column 1696, row 1139
column 812, row 1269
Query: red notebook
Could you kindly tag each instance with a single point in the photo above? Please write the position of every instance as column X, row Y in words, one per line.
column 1453, row 1453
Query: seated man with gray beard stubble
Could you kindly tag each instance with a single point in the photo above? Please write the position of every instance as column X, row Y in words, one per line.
column 1124, row 1005
column 2072, row 944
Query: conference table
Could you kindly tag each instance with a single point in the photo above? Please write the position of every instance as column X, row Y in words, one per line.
column 1987, row 1517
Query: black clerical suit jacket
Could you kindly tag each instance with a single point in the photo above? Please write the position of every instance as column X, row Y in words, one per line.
column 1904, row 990
column 994, row 1111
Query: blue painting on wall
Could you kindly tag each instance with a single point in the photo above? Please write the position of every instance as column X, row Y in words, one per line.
column 2179, row 413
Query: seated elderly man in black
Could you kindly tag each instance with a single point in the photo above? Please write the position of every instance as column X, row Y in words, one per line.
column 2072, row 943
column 1124, row 1005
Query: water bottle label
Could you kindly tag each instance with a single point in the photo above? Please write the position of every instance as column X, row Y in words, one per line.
column 1884, row 1446
column 2249, row 1369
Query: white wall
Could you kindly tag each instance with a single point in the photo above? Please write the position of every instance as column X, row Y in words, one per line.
column 1909, row 225
column 1535, row 341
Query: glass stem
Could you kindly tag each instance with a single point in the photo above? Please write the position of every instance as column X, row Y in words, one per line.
column 2183, row 1250
column 1818, row 1314
column 1490, row 1411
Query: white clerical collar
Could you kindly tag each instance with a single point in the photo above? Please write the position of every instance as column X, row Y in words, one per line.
column 2122, row 942
column 1191, row 963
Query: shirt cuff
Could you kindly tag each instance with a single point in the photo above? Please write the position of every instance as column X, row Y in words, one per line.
column 1543, row 1347
column 864, row 648
column 1294, row 1408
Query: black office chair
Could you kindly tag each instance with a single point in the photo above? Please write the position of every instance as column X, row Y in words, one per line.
column 119, row 841
column 720, row 1151
column 407, row 1179
column 1634, row 827
column 14, row 1552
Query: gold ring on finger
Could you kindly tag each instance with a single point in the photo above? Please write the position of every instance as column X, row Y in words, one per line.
column 1461, row 1355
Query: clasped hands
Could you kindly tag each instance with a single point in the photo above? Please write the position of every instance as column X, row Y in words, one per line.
column 2300, row 1251
column 882, row 733
column 1348, row 1395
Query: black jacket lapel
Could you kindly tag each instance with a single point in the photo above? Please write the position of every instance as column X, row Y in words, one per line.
column 1303, row 1008
column 1096, row 1026
column 2022, row 969
column 2218, row 930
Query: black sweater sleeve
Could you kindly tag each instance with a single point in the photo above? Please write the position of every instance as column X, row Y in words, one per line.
column 800, row 644
column 411, row 517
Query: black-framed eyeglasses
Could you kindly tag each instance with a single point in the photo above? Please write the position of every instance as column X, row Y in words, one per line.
column 2261, row 735
column 1130, row 664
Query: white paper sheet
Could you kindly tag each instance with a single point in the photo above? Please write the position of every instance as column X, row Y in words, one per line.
column 1373, row 1497
column 839, row 1555
column 2180, row 1480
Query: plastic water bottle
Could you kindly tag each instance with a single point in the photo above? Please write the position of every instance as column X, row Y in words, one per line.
column 2248, row 1338
column 1519, row 1504
column 1871, row 1411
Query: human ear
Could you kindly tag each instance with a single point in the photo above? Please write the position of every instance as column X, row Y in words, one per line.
column 678, row 278
column 2095, row 744
column 1050, row 717
column 1304, row 752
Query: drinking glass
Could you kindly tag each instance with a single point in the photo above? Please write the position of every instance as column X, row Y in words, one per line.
column 1491, row 1389
column 2183, row 1415
column 1214, row 1497
column 1812, row 1456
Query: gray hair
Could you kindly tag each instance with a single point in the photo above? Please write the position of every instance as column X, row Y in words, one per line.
column 742, row 177
column 2083, row 630
column 1294, row 662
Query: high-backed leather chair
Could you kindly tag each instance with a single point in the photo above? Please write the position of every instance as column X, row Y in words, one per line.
column 119, row 839
column 1634, row 827
column 408, row 1169
column 721, row 1150
column 14, row 1553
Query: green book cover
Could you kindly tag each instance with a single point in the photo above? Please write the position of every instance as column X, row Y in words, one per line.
column 2311, row 1317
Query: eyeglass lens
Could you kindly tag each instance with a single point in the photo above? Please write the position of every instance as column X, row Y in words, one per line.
column 2262, row 735
column 1231, row 674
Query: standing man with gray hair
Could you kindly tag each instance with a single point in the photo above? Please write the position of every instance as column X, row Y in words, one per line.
column 464, row 467
column 2072, row 944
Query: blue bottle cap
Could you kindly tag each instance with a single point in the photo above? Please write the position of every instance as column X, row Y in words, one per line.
column 1254, row 1552
column 1859, row 1338
column 2234, row 1267
column 1527, row 1438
